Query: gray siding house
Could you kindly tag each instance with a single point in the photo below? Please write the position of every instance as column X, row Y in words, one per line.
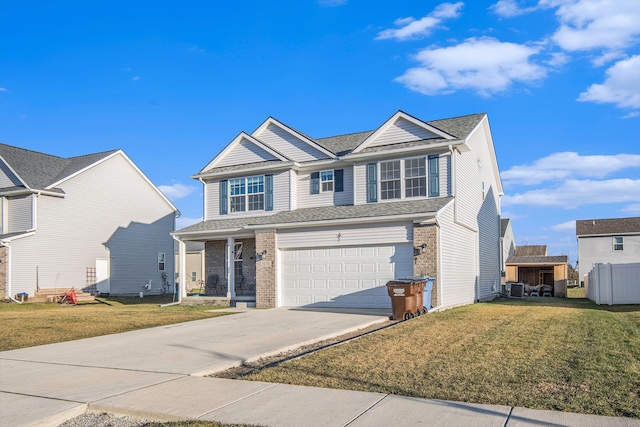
column 291, row 220
column 607, row 241
column 92, row 222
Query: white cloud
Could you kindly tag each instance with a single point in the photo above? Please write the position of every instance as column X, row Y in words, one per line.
column 558, row 59
column 607, row 57
column 510, row 8
column 631, row 115
column 633, row 209
column 621, row 87
column 411, row 28
column 564, row 165
column 2, row 89
column 596, row 24
column 135, row 78
column 565, row 226
column 182, row 222
column 485, row 65
column 176, row 191
column 574, row 193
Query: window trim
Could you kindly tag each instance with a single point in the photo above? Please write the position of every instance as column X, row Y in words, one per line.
column 331, row 181
column 620, row 244
column 403, row 187
column 162, row 261
column 246, row 194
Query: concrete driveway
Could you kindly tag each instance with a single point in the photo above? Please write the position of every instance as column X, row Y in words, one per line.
column 204, row 346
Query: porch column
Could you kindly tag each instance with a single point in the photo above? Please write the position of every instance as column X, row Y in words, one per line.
column 182, row 268
column 231, row 279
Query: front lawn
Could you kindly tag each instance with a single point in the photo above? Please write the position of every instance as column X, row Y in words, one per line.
column 30, row 324
column 543, row 353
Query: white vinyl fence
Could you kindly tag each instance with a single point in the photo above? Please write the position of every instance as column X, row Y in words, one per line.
column 614, row 284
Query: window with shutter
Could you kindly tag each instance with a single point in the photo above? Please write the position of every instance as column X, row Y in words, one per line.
column 372, row 182
column 434, row 176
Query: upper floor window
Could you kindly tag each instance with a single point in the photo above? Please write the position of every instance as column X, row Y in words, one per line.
column 246, row 194
column 390, row 180
column 618, row 243
column 401, row 179
column 326, row 181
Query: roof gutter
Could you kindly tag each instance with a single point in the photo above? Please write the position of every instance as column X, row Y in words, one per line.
column 371, row 154
column 181, row 276
column 346, row 221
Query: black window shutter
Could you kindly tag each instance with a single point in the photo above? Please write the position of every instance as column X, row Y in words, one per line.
column 268, row 192
column 338, row 177
column 223, row 197
column 434, row 176
column 372, row 182
column 315, row 183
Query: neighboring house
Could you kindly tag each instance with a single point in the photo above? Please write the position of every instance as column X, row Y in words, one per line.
column 532, row 265
column 92, row 222
column 507, row 245
column 290, row 220
column 607, row 241
column 194, row 267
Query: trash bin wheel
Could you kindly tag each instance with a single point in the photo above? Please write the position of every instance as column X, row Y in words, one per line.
column 408, row 316
column 424, row 310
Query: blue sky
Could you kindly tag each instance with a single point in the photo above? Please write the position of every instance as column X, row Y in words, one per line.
column 171, row 83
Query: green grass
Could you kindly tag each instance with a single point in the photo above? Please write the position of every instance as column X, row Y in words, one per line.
column 560, row 354
column 575, row 293
column 31, row 324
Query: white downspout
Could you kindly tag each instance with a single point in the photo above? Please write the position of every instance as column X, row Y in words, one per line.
column 6, row 245
column 182, row 261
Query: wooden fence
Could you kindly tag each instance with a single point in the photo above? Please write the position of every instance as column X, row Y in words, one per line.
column 614, row 284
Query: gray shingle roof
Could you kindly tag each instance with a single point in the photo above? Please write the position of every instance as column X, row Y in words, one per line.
column 460, row 127
column 327, row 213
column 585, row 227
column 558, row 259
column 39, row 170
column 342, row 144
column 531, row 250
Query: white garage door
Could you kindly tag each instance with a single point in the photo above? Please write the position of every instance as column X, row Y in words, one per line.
column 343, row 276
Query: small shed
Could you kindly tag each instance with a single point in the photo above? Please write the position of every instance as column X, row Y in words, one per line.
column 532, row 266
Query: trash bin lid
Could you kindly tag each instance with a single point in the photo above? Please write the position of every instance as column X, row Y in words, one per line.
column 400, row 282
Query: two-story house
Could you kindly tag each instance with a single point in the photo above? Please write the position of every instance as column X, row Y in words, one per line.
column 93, row 221
column 290, row 220
column 607, row 241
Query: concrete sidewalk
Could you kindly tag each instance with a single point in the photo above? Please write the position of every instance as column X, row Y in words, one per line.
column 156, row 373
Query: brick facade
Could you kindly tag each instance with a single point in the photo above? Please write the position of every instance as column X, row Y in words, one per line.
column 426, row 264
column 266, row 270
column 3, row 273
column 215, row 260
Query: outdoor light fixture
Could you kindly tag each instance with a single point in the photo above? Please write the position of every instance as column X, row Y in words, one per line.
column 260, row 255
column 420, row 249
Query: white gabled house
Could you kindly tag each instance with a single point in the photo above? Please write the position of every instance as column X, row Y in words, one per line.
column 290, row 220
column 91, row 222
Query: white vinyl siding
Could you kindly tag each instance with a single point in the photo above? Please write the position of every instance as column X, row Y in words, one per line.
column 363, row 234
column 7, row 178
column 293, row 191
column 280, row 198
column 402, row 131
column 360, row 179
column 348, row 276
column 458, row 255
column 107, row 206
column 288, row 145
column 324, row 198
column 19, row 213
column 245, row 152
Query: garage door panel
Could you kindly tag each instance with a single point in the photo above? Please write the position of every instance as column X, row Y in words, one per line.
column 343, row 276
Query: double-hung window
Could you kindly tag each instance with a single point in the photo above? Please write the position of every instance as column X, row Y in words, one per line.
column 246, row 194
column 237, row 194
column 390, row 180
column 415, row 177
column 255, row 193
column 618, row 243
column 326, row 180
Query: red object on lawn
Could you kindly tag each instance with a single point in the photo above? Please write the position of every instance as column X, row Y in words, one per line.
column 69, row 297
